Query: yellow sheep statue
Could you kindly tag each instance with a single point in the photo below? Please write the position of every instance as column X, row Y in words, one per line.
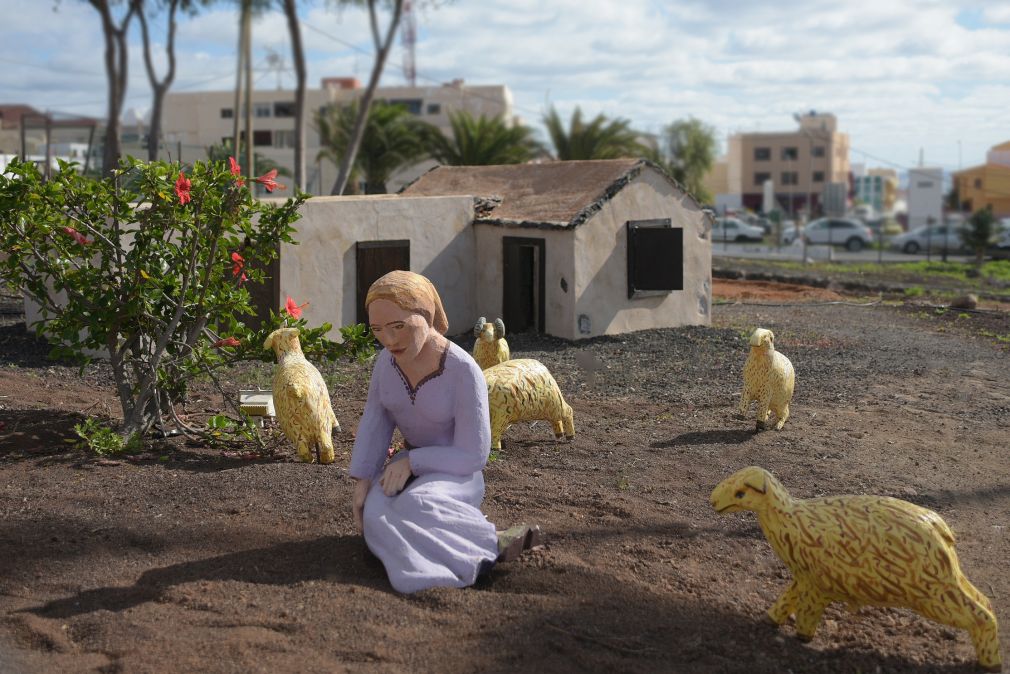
column 301, row 399
column 490, row 347
column 524, row 390
column 863, row 550
column 768, row 379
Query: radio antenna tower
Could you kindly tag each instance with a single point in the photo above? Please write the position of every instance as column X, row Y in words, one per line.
column 408, row 35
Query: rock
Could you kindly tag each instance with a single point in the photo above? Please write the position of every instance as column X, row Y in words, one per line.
column 969, row 301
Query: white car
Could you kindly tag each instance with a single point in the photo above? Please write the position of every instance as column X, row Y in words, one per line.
column 933, row 237
column 732, row 229
column 852, row 234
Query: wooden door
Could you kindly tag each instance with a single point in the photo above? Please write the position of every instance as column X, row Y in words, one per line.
column 374, row 259
column 523, row 284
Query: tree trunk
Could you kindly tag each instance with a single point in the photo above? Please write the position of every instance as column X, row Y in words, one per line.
column 250, row 169
column 298, row 54
column 381, row 52
column 160, row 88
column 116, row 58
column 236, row 144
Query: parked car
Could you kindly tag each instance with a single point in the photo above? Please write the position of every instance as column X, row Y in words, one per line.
column 852, row 234
column 936, row 238
column 733, row 229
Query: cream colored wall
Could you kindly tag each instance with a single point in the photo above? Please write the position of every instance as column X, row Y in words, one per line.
column 601, row 266
column 321, row 269
column 593, row 261
column 559, row 264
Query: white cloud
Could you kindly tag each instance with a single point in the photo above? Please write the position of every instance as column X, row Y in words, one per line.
column 900, row 75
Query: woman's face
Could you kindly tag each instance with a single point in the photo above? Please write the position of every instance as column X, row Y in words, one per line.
column 401, row 332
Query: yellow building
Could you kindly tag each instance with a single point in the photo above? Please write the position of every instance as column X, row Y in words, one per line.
column 987, row 184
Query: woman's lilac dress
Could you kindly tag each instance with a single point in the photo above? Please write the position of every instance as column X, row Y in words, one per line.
column 433, row 533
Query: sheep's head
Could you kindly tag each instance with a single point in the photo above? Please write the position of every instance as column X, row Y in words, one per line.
column 762, row 338
column 746, row 489
column 283, row 340
column 499, row 328
column 485, row 332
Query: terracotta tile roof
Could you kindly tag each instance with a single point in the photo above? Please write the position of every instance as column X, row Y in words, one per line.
column 559, row 193
column 12, row 115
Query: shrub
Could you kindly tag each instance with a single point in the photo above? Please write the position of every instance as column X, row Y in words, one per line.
column 149, row 268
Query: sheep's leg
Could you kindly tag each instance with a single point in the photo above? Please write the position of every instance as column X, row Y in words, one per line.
column 559, row 428
column 326, row 445
column 763, row 409
column 972, row 612
column 498, row 426
column 304, row 451
column 809, row 608
column 785, row 605
column 782, row 413
column 569, row 419
column 745, row 399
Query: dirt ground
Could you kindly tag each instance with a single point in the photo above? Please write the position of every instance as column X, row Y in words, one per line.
column 185, row 559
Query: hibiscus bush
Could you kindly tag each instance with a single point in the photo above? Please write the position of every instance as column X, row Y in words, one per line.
column 149, row 269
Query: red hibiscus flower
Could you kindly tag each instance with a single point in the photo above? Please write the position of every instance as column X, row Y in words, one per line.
column 77, row 236
column 182, row 186
column 238, row 262
column 227, row 341
column 236, row 170
column 267, row 180
column 294, row 311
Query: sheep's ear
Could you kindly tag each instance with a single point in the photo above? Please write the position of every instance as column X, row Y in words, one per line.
column 771, row 337
column 499, row 328
column 758, row 483
column 478, row 327
column 269, row 343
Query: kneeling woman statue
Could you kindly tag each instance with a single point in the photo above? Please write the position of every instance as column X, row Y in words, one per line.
column 420, row 513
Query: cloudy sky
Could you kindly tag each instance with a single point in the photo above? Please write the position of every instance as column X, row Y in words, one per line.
column 902, row 76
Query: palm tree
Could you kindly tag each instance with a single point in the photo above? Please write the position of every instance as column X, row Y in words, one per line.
column 483, row 141
column 392, row 138
column 598, row 139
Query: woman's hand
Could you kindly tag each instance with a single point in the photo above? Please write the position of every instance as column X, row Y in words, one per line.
column 395, row 476
column 358, row 502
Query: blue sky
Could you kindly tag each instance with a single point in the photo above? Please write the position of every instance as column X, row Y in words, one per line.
column 902, row 76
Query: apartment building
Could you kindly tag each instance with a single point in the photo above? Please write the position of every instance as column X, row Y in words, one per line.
column 987, row 184
column 878, row 187
column 801, row 165
column 193, row 121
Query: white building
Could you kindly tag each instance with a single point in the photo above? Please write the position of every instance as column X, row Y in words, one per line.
column 193, row 121
column 925, row 196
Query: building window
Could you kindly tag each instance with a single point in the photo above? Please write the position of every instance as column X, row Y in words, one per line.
column 227, row 113
column 284, row 138
column 413, row 105
column 762, row 153
column 284, row 109
column 924, row 184
column 433, row 108
column 790, row 178
column 978, row 183
column 760, row 178
column 818, row 176
column 655, row 257
column 261, row 110
column 262, row 138
column 790, row 153
column 818, row 151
